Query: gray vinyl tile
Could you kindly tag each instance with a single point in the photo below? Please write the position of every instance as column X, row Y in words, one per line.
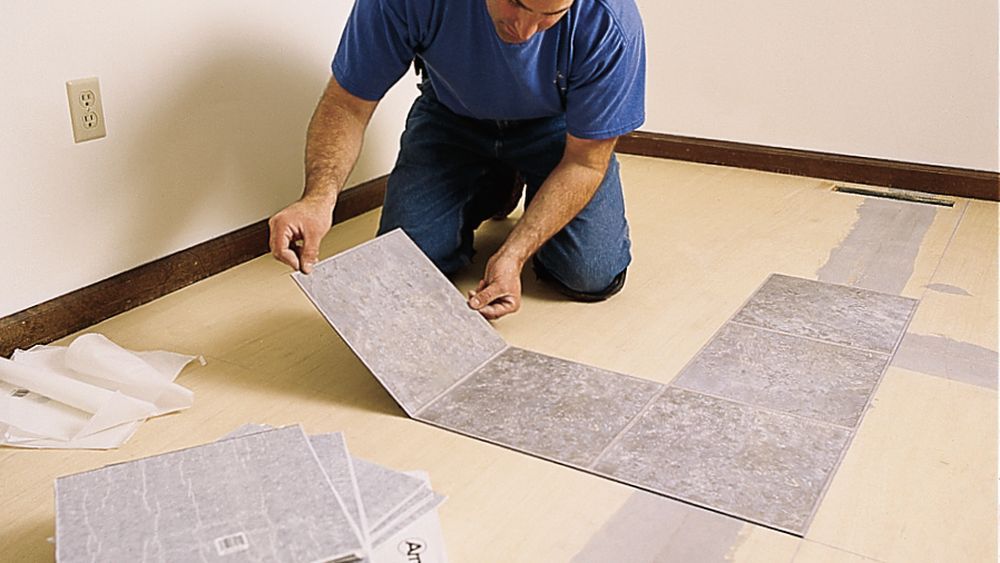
column 402, row 317
column 553, row 408
column 808, row 378
column 765, row 467
column 331, row 451
column 426, row 501
column 754, row 426
column 256, row 497
column 384, row 491
column 833, row 313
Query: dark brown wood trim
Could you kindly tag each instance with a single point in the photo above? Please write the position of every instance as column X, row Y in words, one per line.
column 90, row 305
column 943, row 180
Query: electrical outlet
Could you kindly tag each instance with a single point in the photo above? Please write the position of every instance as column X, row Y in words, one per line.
column 85, row 109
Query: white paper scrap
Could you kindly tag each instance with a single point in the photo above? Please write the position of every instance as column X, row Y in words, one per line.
column 91, row 395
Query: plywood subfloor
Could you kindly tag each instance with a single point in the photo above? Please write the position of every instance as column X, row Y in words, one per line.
column 917, row 484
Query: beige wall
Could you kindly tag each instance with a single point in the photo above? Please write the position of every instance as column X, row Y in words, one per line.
column 911, row 80
column 207, row 103
column 206, row 106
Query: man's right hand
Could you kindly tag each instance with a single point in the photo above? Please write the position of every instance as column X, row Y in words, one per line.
column 297, row 230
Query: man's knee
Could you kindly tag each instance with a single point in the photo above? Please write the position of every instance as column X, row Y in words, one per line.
column 582, row 280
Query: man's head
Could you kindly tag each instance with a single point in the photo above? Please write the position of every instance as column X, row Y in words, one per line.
column 516, row 21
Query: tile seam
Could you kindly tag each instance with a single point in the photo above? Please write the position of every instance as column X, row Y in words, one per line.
column 736, row 515
column 628, row 426
column 887, row 361
column 868, row 406
column 820, row 340
column 704, row 346
column 459, row 381
column 767, row 409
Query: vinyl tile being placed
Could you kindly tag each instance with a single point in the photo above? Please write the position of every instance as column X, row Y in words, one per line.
column 402, row 318
column 764, row 467
column 838, row 314
column 545, row 406
column 816, row 380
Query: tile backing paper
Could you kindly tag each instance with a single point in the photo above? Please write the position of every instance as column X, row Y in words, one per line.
column 92, row 394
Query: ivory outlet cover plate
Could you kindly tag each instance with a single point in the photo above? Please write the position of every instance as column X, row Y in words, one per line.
column 86, row 109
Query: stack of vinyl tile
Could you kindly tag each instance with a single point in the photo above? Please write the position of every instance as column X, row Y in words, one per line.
column 257, row 494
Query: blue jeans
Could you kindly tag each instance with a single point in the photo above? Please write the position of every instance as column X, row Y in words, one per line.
column 440, row 191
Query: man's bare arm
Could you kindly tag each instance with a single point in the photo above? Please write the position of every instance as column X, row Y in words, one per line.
column 333, row 143
column 566, row 191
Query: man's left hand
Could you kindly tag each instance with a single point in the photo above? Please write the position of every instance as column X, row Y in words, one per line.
column 499, row 292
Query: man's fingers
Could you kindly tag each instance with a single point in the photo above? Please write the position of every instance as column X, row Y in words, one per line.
column 281, row 246
column 485, row 296
column 493, row 302
column 296, row 232
column 288, row 257
column 499, row 307
column 310, row 253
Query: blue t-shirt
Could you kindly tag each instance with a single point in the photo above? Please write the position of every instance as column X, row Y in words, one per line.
column 593, row 61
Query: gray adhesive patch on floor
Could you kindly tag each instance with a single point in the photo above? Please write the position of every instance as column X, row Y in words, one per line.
column 761, row 466
column 944, row 357
column 824, row 382
column 948, row 288
column 542, row 405
column 650, row 528
column 881, row 249
column 833, row 313
column 401, row 317
column 800, row 360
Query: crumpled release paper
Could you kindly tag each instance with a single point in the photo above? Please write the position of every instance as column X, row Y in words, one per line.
column 91, row 395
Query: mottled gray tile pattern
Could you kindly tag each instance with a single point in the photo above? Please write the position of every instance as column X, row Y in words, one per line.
column 246, row 430
column 764, row 467
column 331, row 450
column 842, row 315
column 545, row 406
column 402, row 318
column 384, row 491
column 825, row 382
column 754, row 427
column 420, row 505
column 263, row 496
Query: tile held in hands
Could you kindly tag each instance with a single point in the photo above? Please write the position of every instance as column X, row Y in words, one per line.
column 401, row 317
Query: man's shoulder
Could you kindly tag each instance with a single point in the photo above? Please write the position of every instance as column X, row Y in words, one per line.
column 622, row 16
column 403, row 9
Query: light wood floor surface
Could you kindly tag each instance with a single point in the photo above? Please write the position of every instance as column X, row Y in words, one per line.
column 917, row 484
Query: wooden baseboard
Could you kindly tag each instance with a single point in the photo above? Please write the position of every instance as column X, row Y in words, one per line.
column 92, row 304
column 943, row 180
column 85, row 307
